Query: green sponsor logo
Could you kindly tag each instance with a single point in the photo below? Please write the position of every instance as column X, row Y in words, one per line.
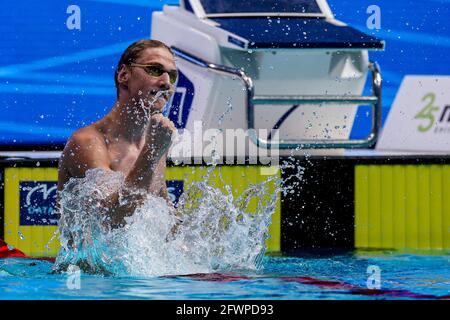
column 427, row 113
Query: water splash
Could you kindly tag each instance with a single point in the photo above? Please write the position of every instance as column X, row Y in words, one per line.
column 210, row 231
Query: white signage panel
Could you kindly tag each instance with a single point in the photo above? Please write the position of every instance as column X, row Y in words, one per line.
column 420, row 116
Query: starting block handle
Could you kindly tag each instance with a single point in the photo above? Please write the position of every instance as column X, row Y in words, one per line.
column 252, row 100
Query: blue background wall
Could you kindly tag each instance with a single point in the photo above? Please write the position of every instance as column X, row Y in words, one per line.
column 54, row 80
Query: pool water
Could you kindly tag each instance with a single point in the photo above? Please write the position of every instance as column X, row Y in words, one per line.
column 305, row 276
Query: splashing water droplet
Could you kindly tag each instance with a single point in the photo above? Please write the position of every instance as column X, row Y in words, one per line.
column 210, row 231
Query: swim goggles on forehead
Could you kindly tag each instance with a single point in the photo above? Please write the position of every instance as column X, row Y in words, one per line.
column 157, row 71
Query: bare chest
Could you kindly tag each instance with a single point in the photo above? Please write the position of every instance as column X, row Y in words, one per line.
column 123, row 159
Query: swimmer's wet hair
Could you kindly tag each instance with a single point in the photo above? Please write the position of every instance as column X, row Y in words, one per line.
column 133, row 52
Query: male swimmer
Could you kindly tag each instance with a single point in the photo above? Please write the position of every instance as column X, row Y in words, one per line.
column 134, row 137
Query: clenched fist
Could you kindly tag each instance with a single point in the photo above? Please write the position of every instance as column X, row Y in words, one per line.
column 159, row 134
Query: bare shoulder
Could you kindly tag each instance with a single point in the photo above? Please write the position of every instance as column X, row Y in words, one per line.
column 86, row 138
column 86, row 149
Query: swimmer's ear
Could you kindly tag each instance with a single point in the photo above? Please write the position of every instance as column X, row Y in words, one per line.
column 123, row 75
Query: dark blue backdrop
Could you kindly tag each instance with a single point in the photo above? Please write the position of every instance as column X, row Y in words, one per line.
column 54, row 80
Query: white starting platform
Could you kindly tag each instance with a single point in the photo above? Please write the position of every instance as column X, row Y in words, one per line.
column 291, row 68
